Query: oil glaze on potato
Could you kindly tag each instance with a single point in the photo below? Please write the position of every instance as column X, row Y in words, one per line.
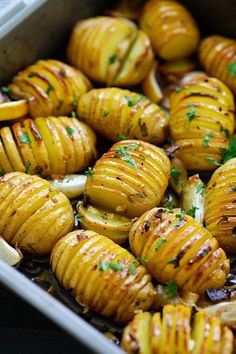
column 171, row 28
column 153, row 334
column 111, row 51
column 201, row 121
column 46, row 146
column 218, row 56
column 175, row 247
column 129, row 179
column 33, row 214
column 50, row 86
column 102, row 275
column 114, row 112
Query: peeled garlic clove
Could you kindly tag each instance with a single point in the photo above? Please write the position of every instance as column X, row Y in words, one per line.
column 9, row 254
column 71, row 185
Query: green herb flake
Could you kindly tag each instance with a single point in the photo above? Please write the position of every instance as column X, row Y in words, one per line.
column 160, row 243
column 173, row 260
column 103, row 265
column 142, row 259
column 232, row 68
column 27, row 167
column 225, row 131
column 25, row 139
column 171, row 289
column 30, row 75
column 122, row 136
column 213, row 161
column 192, row 113
column 78, row 219
column 130, row 161
column 181, row 215
column 142, row 157
column 207, row 138
column 201, row 188
column 70, row 130
column 231, row 151
column 6, row 90
column 113, row 58
column 132, row 268
column 2, row 171
column 89, row 172
column 133, row 101
column 106, row 114
column 177, row 89
column 73, row 114
column 192, row 211
column 233, row 188
column 203, row 253
column 49, row 89
column 174, row 173
column 177, row 224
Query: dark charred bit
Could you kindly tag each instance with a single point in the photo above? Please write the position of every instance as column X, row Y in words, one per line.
column 38, row 170
column 86, row 200
column 81, row 236
column 234, row 231
column 223, row 220
column 118, row 178
column 35, row 132
column 180, row 255
column 159, row 213
column 216, row 295
column 134, row 344
column 146, row 225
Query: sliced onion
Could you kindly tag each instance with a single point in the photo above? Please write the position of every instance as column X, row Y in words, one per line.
column 71, row 185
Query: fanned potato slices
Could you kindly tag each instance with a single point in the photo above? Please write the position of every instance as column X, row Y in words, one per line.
column 220, row 207
column 46, row 146
column 102, row 275
column 114, row 113
column 175, row 247
column 110, row 50
column 172, row 332
column 201, row 122
column 33, row 214
column 129, row 179
column 50, row 86
column 171, row 28
column 218, row 56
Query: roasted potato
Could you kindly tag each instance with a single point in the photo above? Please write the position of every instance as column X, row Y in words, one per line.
column 201, row 122
column 106, row 223
column 46, row 146
column 176, row 248
column 50, row 86
column 114, row 112
column 33, row 214
column 218, row 56
column 102, row 275
column 129, row 179
column 110, row 50
column 220, row 208
column 173, row 333
column 171, row 28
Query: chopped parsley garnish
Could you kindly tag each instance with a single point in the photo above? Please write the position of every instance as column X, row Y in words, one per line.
column 174, row 173
column 131, row 161
column 122, row 136
column 27, row 167
column 31, row 75
column 171, row 289
column 177, row 89
column 231, row 151
column 192, row 211
column 213, row 161
column 6, row 90
column 123, row 153
column 178, row 223
column 2, row 171
column 113, row 58
column 180, row 215
column 49, row 89
column 132, row 268
column 232, row 68
column 89, row 172
column 173, row 260
column 207, row 138
column 133, row 101
column 225, row 131
column 233, row 188
column 142, row 157
column 201, row 188
column 25, row 139
column 160, row 243
column 70, row 130
column 103, row 265
column 142, row 259
column 105, row 114
column 192, row 113
column 73, row 114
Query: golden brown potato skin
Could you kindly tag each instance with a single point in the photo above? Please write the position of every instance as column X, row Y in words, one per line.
column 33, row 214
column 129, row 179
column 47, row 146
column 171, row 28
column 77, row 263
column 171, row 333
column 177, row 248
column 218, row 56
column 114, row 112
column 51, row 87
column 201, row 114
column 110, row 50
column 220, row 208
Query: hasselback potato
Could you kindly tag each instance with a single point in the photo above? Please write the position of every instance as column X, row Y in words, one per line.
column 201, row 122
column 33, row 214
column 129, row 179
column 218, row 56
column 114, row 112
column 102, row 275
column 50, row 86
column 110, row 51
column 46, row 146
column 174, row 333
column 175, row 247
column 220, row 208
column 171, row 28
